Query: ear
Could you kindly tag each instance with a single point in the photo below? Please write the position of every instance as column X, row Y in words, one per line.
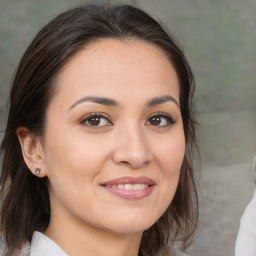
column 32, row 151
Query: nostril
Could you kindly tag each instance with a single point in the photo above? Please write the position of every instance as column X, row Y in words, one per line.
column 135, row 164
column 125, row 163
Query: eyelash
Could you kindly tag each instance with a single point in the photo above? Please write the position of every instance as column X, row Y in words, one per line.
column 89, row 117
column 170, row 121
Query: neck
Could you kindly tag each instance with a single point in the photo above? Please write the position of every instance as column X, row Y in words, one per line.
column 77, row 239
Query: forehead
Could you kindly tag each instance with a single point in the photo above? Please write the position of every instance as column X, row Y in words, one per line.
column 131, row 66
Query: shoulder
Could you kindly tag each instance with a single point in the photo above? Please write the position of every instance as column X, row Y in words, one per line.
column 40, row 245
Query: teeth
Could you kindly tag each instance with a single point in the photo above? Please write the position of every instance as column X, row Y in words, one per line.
column 137, row 186
column 143, row 186
column 129, row 186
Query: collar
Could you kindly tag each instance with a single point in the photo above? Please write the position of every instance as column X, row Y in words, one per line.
column 41, row 245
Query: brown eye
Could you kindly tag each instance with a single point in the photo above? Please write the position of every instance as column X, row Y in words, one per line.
column 160, row 120
column 155, row 120
column 95, row 121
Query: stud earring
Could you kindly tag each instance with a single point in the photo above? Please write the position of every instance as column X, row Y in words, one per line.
column 37, row 171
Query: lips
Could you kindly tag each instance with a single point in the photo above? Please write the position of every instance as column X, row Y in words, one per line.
column 130, row 187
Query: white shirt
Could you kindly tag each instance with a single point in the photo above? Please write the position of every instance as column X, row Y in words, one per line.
column 42, row 245
column 246, row 238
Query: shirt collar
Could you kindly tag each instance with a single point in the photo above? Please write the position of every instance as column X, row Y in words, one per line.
column 42, row 245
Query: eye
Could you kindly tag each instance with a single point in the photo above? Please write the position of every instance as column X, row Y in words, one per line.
column 160, row 120
column 95, row 120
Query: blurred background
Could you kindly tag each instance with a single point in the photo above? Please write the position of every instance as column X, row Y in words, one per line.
column 219, row 40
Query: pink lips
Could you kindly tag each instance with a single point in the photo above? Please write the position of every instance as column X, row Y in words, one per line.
column 130, row 187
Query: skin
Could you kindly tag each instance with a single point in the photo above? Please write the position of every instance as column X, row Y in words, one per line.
column 78, row 157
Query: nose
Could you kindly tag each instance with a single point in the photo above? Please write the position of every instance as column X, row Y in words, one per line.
column 132, row 149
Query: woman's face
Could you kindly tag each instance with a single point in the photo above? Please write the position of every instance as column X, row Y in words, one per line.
column 114, row 140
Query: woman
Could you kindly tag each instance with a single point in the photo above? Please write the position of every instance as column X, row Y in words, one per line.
column 97, row 152
column 246, row 238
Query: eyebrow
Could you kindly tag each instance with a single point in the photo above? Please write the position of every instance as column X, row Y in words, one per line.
column 99, row 100
column 114, row 103
column 161, row 100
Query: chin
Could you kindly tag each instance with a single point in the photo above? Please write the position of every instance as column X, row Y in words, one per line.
column 134, row 225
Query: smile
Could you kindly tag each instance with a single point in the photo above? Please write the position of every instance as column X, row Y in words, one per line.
column 130, row 187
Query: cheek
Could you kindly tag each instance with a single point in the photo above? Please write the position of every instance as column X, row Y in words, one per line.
column 169, row 159
column 71, row 166
column 171, row 155
column 73, row 156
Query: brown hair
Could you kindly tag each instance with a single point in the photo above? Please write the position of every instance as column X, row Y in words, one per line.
column 26, row 206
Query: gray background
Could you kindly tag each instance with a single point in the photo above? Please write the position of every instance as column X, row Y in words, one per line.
column 219, row 40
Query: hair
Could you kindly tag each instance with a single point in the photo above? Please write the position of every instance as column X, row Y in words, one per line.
column 26, row 205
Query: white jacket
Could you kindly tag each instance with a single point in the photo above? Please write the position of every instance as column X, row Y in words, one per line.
column 246, row 238
column 41, row 245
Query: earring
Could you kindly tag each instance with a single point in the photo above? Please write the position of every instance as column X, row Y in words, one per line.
column 37, row 171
